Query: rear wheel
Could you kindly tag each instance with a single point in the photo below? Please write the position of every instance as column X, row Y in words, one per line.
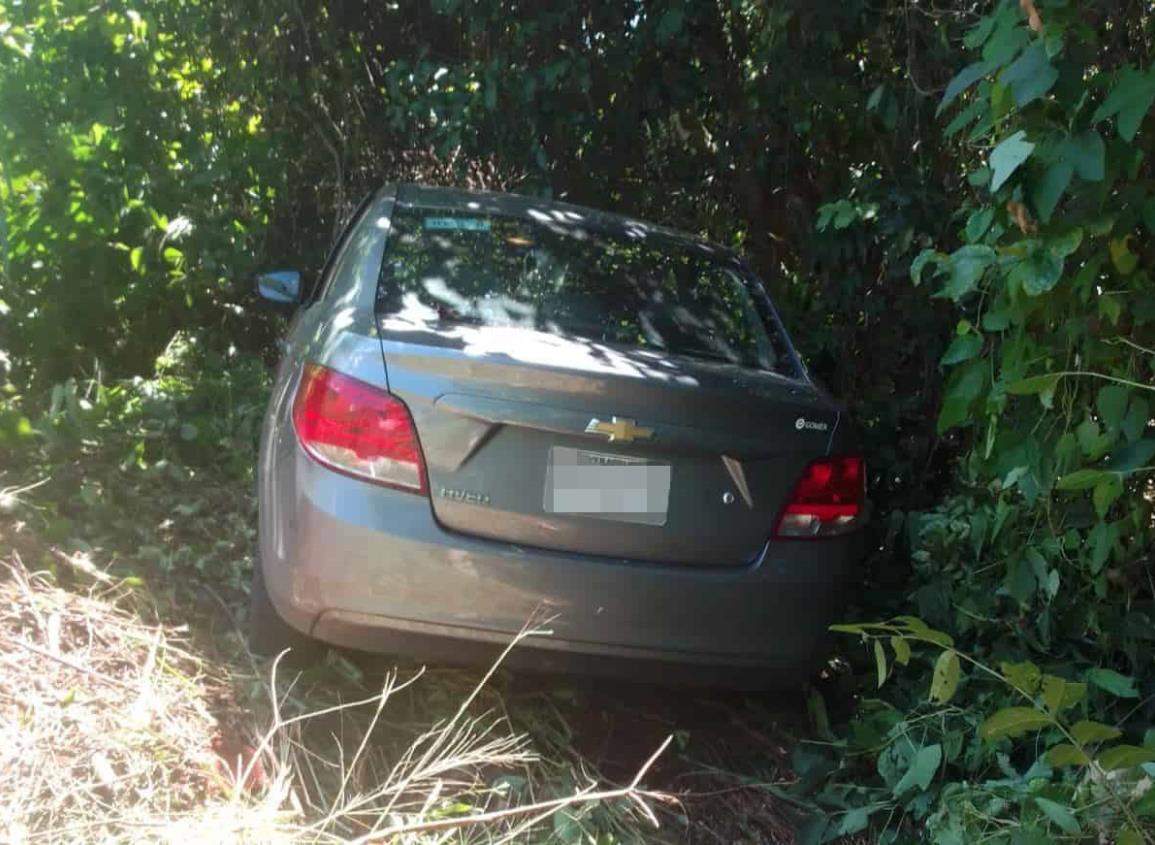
column 269, row 634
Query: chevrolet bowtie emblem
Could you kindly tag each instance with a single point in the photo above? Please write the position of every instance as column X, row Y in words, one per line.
column 619, row 431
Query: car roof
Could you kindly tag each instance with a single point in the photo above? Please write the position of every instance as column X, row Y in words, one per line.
column 545, row 211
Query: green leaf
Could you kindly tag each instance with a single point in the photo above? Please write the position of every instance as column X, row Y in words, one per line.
column 1060, row 694
column 848, row 629
column 1112, row 404
column 1013, row 721
column 1086, row 732
column 901, row 650
column 1038, row 272
column 963, row 80
column 1038, row 564
column 1033, row 385
column 1031, row 75
column 1050, row 188
column 1122, row 258
column 1130, row 98
column 1125, row 757
column 1065, row 244
column 921, row 630
column 966, row 266
column 1101, row 540
column 1093, row 441
column 1083, row 155
column 961, row 120
column 1132, row 456
column 1087, row 152
column 1083, row 479
column 920, row 262
column 1058, row 814
column 1130, row 836
column 1023, row 676
column 1020, row 581
column 1066, row 754
column 136, row 257
column 1145, row 807
column 1135, row 423
column 880, row 662
column 978, row 223
column 855, row 821
column 962, row 349
column 1111, row 681
column 1110, row 308
column 922, row 770
column 945, row 680
column 996, row 321
column 978, row 34
column 979, row 178
column 1007, row 156
column 963, row 387
column 1008, row 37
column 1106, row 493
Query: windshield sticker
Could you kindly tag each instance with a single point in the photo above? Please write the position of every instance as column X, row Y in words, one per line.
column 460, row 224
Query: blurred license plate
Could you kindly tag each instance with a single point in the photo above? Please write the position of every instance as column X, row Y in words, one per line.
column 606, row 486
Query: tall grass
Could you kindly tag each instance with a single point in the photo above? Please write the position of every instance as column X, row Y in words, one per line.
column 112, row 738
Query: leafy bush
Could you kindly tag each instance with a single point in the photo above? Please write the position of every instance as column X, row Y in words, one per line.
column 152, row 465
column 1036, row 724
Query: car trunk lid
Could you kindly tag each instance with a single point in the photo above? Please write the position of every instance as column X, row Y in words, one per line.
column 657, row 457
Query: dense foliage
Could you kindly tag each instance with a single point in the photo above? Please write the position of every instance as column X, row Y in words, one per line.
column 954, row 205
column 1039, row 560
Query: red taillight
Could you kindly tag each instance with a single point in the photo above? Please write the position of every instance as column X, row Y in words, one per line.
column 357, row 428
column 827, row 500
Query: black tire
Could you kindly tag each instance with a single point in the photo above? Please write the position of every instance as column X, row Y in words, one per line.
column 269, row 634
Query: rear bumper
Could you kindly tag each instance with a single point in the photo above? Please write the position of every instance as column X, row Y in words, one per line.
column 368, row 567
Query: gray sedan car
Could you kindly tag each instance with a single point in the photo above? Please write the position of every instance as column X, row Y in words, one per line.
column 493, row 408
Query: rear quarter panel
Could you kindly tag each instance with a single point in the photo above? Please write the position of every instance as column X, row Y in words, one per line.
column 336, row 330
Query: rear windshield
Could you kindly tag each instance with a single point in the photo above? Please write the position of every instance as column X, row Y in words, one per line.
column 627, row 287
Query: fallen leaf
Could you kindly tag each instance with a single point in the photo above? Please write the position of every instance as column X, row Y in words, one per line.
column 1022, row 217
column 1033, row 19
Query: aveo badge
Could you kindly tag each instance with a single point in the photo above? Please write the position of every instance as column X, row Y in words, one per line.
column 803, row 424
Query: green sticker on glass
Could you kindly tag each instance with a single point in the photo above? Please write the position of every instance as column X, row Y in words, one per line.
column 458, row 224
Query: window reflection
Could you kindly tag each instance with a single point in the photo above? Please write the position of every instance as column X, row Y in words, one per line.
column 635, row 288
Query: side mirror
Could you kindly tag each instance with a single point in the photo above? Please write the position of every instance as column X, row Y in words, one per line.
column 282, row 287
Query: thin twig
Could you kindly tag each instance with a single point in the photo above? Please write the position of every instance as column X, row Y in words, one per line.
column 1126, row 342
column 631, row 791
column 116, row 682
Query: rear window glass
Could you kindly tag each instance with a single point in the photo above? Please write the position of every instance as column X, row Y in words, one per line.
column 627, row 287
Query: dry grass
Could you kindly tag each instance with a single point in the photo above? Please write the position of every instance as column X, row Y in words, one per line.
column 105, row 723
column 110, row 735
